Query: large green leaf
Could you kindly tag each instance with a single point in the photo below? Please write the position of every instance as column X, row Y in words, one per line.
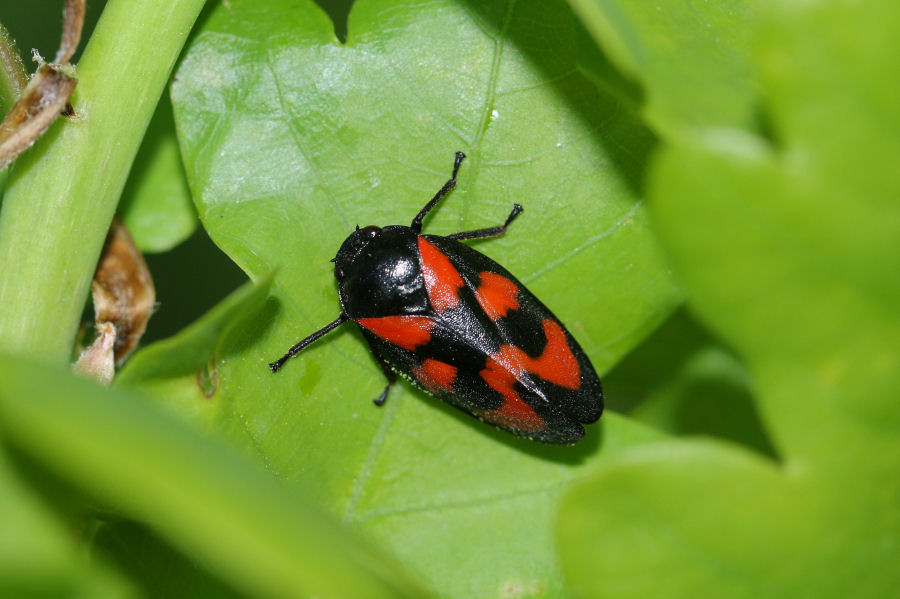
column 290, row 139
column 791, row 251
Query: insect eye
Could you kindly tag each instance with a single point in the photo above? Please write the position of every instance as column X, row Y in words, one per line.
column 369, row 232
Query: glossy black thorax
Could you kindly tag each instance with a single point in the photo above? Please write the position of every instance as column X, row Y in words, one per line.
column 379, row 273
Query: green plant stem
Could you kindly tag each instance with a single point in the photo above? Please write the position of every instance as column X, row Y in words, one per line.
column 62, row 193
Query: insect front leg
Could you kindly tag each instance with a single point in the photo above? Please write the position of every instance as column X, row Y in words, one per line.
column 490, row 231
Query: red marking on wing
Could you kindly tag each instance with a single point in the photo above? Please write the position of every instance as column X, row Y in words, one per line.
column 497, row 295
column 408, row 332
column 434, row 375
column 513, row 412
column 556, row 364
column 442, row 281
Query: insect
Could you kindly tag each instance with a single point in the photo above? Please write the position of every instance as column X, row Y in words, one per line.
column 460, row 326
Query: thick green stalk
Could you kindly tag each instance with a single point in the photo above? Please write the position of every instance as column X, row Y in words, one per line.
column 62, row 193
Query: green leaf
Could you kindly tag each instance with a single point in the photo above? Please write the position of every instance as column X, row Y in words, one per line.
column 197, row 494
column 156, row 567
column 679, row 520
column 690, row 59
column 197, row 344
column 290, row 139
column 183, row 371
column 156, row 202
column 37, row 555
column 681, row 380
column 790, row 251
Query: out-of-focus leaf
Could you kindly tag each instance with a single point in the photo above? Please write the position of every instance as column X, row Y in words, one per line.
column 159, row 569
column 790, row 252
column 690, row 59
column 198, row 494
column 682, row 381
column 38, row 556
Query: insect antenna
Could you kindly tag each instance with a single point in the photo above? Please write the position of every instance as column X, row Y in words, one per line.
column 296, row 349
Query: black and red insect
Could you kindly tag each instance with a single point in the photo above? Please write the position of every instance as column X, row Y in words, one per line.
column 461, row 327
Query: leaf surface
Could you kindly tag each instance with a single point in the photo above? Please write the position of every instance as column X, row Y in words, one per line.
column 291, row 138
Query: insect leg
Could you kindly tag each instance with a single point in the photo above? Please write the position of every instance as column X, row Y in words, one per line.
column 490, row 231
column 389, row 374
column 296, row 349
column 416, row 225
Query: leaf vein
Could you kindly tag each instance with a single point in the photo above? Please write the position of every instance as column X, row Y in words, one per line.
column 625, row 219
column 462, row 504
column 368, row 465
